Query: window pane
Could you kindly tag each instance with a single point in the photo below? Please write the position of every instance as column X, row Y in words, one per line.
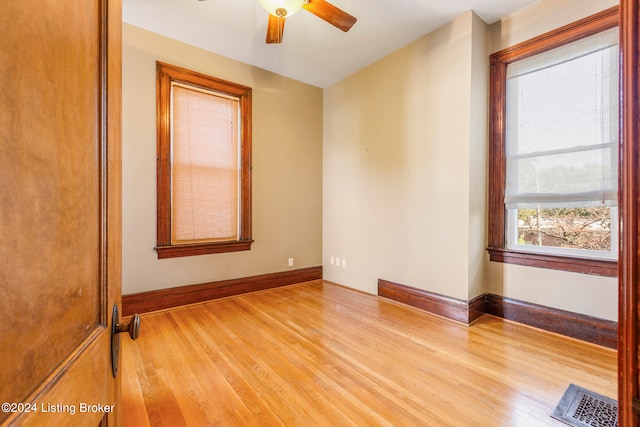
column 204, row 165
column 577, row 228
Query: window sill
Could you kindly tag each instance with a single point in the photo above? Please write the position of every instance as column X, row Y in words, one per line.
column 596, row 267
column 202, row 249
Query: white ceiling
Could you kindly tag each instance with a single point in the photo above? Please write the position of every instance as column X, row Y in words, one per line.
column 313, row 51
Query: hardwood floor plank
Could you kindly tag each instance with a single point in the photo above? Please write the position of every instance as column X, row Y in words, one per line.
column 352, row 357
column 324, row 355
column 133, row 405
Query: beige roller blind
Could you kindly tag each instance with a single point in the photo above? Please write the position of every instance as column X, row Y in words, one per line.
column 205, row 166
column 562, row 126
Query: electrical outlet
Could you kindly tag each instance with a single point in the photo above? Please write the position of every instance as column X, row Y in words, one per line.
column 332, row 260
column 344, row 262
column 338, row 261
column 290, row 262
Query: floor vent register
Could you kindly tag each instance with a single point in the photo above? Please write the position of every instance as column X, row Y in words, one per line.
column 583, row 408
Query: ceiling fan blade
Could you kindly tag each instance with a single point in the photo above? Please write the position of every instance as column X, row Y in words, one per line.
column 333, row 15
column 275, row 29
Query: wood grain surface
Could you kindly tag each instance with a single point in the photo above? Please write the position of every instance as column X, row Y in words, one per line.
column 318, row 354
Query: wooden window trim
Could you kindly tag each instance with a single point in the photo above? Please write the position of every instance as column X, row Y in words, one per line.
column 498, row 251
column 165, row 75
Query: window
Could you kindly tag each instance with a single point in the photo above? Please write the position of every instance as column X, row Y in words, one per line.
column 204, row 164
column 553, row 149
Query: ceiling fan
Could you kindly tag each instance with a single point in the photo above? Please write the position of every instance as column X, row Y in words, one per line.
column 281, row 9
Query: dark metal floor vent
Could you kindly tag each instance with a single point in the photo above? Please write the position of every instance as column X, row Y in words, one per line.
column 583, row 408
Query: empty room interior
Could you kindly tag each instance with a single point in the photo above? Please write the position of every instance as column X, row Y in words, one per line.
column 385, row 213
column 368, row 295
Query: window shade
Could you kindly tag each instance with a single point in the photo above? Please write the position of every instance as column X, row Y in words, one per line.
column 562, row 126
column 205, row 166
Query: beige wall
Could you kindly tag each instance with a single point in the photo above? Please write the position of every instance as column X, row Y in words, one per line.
column 287, row 169
column 405, row 169
column 541, row 17
column 479, row 93
column 399, row 201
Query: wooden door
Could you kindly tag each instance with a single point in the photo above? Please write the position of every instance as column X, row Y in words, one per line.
column 629, row 260
column 60, row 83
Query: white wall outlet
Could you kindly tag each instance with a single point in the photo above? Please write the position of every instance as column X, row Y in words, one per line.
column 344, row 262
column 338, row 261
column 332, row 260
column 290, row 262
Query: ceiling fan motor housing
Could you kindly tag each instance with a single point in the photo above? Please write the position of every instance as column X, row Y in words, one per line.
column 282, row 8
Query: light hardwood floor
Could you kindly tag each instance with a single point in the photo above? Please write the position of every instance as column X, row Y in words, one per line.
column 317, row 354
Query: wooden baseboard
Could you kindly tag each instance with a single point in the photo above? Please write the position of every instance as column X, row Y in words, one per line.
column 145, row 302
column 586, row 328
column 451, row 308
